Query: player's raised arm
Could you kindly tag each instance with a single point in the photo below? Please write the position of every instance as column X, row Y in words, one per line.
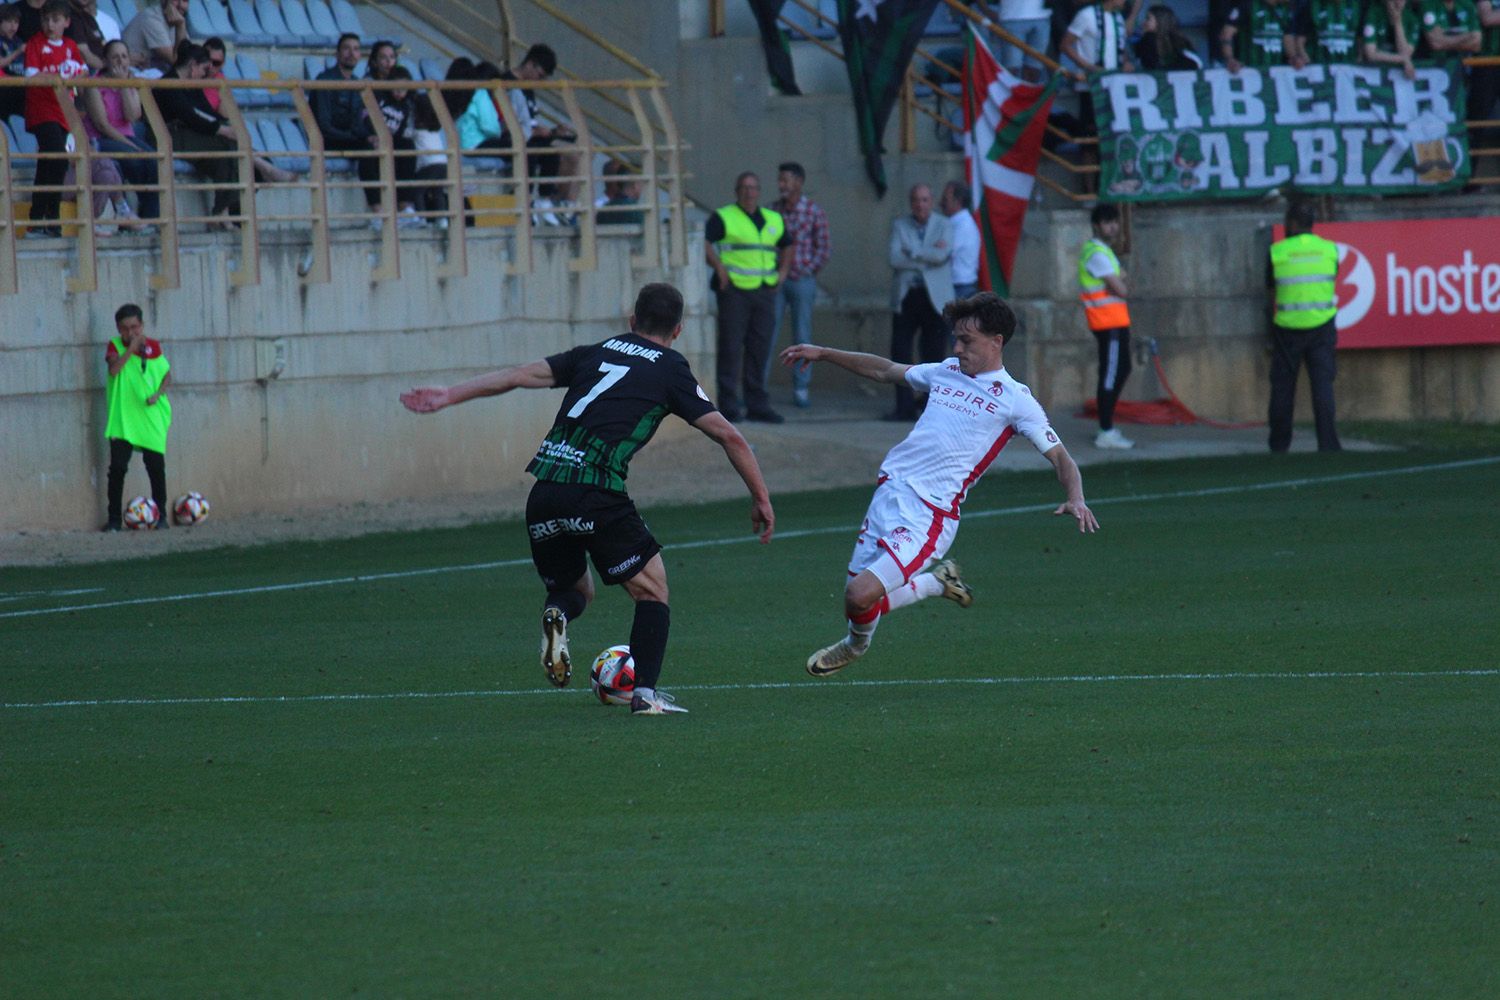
column 1072, row 483
column 431, row 398
column 762, row 517
column 870, row 366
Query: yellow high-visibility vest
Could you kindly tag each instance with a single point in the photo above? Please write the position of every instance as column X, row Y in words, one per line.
column 1305, row 267
column 748, row 253
column 1104, row 309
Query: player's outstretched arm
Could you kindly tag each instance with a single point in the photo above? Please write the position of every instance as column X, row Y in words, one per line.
column 762, row 517
column 1072, row 483
column 870, row 366
column 431, row 398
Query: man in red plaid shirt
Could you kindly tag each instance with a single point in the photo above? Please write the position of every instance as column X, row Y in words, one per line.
column 807, row 224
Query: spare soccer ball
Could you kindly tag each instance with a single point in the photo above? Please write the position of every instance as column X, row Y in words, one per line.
column 613, row 676
column 190, row 508
column 141, row 514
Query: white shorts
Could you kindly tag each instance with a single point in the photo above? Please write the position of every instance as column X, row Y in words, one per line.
column 901, row 534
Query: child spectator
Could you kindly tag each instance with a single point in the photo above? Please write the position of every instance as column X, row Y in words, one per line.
column 12, row 59
column 49, row 53
column 1392, row 35
column 399, row 109
column 432, row 159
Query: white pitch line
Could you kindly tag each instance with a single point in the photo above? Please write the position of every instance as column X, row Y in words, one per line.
column 1312, row 675
column 746, row 539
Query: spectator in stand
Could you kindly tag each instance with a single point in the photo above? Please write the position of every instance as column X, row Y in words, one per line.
column 1328, row 30
column 342, row 120
column 196, row 127
column 1095, row 41
column 84, row 29
column 50, row 53
column 1452, row 28
column 539, row 63
column 399, row 110
column 964, row 264
column 109, row 28
column 1484, row 81
column 1031, row 23
column 1392, row 35
column 111, row 115
column 12, row 60
column 31, row 19
column 622, row 191
column 807, row 224
column 1162, row 45
column 458, row 101
column 432, row 160
column 921, row 287
column 1258, row 33
column 154, row 34
column 218, row 55
column 479, row 125
column 382, row 61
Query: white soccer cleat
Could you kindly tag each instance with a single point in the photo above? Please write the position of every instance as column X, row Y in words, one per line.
column 656, row 703
column 1112, row 438
column 954, row 588
column 831, row 659
column 555, row 659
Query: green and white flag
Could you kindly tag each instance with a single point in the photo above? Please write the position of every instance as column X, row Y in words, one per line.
column 879, row 38
column 1327, row 129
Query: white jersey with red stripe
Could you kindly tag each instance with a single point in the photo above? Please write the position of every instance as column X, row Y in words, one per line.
column 967, row 421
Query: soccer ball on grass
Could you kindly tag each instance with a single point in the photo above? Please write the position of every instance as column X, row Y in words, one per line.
column 141, row 514
column 190, row 508
column 613, row 676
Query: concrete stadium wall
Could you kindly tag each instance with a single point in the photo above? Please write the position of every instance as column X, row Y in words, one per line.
column 329, row 429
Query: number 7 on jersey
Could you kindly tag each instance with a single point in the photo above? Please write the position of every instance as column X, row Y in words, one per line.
column 612, row 374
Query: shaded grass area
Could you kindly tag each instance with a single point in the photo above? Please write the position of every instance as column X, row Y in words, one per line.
column 1261, row 833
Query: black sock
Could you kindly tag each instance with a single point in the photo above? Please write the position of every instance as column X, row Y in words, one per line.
column 648, row 641
column 569, row 602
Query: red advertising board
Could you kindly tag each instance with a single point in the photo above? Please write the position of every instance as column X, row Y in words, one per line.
column 1417, row 283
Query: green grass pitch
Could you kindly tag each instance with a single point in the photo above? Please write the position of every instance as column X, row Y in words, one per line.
column 1241, row 743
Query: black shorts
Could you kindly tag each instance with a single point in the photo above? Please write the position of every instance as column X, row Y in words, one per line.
column 568, row 521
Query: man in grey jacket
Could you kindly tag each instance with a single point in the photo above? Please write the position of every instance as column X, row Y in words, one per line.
column 921, row 285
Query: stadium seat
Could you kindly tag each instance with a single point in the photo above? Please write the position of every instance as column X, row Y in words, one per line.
column 24, row 143
column 273, row 142
column 296, row 142
column 247, row 25
column 347, row 18
column 433, row 69
column 314, row 65
column 219, row 15
column 361, row 68
column 293, row 141
column 269, row 15
column 200, row 22
column 296, row 19
column 244, row 97
column 250, row 70
column 322, row 21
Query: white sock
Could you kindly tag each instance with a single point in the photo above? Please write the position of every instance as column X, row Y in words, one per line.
column 647, row 693
column 922, row 586
column 860, row 635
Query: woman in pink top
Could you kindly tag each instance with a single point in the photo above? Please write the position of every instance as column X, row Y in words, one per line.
column 111, row 114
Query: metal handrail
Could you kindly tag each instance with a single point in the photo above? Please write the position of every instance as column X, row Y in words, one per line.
column 665, row 202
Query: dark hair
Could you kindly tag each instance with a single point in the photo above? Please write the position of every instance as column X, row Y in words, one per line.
column 56, row 7
column 793, row 168
column 215, row 44
column 399, row 73
column 190, row 52
column 10, row 12
column 384, row 43
column 345, row 37
column 423, row 116
column 993, row 314
column 658, row 309
column 960, row 191
column 107, row 45
column 486, row 71
column 741, row 178
column 1301, row 214
column 542, row 57
column 1103, row 213
column 128, row 311
column 458, row 101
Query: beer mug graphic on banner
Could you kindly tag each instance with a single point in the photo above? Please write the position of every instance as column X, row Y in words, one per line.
column 1428, row 137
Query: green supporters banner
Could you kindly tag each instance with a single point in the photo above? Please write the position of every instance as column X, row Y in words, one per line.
column 1327, row 129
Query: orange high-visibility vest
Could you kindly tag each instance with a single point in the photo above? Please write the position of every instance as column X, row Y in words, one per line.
column 1104, row 309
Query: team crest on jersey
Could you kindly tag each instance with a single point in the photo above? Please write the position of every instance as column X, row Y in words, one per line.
column 1051, row 437
column 900, row 536
column 996, row 389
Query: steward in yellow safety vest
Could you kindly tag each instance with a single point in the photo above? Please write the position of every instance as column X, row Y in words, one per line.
column 747, row 254
column 1304, row 320
column 1102, row 291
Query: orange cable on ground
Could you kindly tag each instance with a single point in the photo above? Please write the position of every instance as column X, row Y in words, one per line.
column 1170, row 411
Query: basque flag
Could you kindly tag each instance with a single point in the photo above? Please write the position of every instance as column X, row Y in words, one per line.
column 1004, row 119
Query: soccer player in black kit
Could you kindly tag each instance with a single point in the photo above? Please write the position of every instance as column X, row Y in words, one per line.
column 619, row 391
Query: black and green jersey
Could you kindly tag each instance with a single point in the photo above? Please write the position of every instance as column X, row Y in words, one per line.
column 1452, row 20
column 1335, row 30
column 618, row 394
column 1378, row 30
column 1260, row 28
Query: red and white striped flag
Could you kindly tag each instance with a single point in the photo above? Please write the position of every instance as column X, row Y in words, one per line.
column 1004, row 119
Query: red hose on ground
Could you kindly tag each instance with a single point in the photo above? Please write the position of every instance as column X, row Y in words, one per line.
column 1170, row 411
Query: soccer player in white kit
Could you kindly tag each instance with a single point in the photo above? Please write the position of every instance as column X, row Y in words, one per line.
column 973, row 408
